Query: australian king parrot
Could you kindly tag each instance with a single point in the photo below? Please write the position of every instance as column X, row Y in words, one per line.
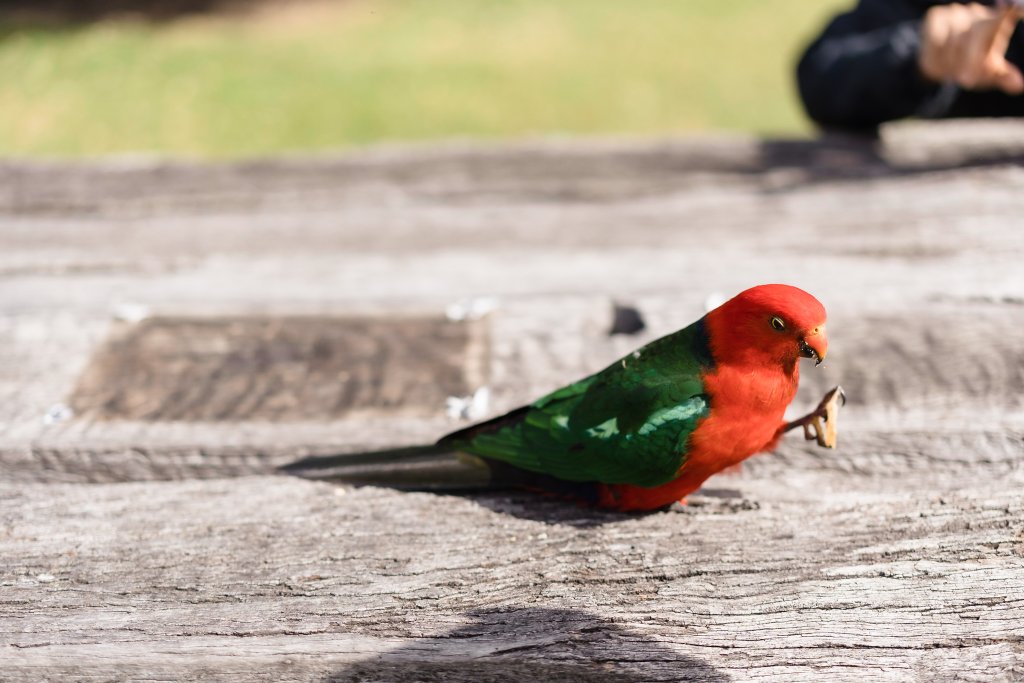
column 645, row 431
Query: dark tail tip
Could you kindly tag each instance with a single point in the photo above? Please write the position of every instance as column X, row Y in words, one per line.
column 414, row 468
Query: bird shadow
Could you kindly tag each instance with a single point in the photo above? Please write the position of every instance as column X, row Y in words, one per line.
column 536, row 507
column 516, row 645
column 536, row 498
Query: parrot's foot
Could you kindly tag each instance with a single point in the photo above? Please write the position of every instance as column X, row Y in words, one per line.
column 820, row 424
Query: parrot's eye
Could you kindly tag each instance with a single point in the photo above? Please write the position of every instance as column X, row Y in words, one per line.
column 778, row 324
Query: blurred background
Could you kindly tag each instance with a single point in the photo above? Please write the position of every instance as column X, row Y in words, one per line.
column 229, row 78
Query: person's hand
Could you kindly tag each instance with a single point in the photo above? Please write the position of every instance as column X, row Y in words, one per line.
column 967, row 44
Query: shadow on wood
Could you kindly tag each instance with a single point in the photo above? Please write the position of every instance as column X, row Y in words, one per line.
column 533, row 644
column 534, row 507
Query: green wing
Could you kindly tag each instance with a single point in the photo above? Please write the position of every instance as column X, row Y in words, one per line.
column 627, row 424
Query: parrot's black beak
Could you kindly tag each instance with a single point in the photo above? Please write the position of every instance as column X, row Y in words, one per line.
column 807, row 352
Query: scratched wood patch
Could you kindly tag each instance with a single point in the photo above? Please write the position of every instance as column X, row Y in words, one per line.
column 279, row 368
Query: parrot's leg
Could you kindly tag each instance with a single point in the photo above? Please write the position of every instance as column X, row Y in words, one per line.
column 820, row 424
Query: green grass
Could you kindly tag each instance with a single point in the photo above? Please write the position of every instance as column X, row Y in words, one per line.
column 363, row 71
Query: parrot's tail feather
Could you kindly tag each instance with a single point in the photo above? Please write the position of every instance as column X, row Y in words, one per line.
column 389, row 455
column 412, row 468
column 436, row 468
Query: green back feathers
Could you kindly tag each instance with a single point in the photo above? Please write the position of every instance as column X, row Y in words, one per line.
column 627, row 424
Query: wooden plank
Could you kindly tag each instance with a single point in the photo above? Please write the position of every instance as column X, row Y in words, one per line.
column 911, row 144
column 798, row 576
column 166, row 549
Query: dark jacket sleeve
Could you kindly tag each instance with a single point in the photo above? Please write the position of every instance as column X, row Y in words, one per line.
column 863, row 69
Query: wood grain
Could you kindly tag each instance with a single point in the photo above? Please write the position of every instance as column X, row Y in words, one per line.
column 164, row 545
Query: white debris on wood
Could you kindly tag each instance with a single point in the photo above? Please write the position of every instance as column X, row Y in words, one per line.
column 472, row 407
column 58, row 412
column 131, row 312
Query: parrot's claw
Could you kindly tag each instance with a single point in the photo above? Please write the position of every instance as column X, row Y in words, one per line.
column 820, row 425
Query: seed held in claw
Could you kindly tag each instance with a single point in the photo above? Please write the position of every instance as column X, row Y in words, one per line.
column 824, row 419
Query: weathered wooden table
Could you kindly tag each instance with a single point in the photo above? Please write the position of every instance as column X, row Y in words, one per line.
column 172, row 333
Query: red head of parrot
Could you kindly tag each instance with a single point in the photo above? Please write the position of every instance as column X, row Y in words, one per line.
column 768, row 325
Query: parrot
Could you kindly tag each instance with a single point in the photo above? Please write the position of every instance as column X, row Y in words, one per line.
column 644, row 432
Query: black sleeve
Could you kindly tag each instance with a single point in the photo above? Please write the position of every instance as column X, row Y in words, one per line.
column 863, row 69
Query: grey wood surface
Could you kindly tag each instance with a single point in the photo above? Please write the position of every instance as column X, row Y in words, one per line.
column 145, row 533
